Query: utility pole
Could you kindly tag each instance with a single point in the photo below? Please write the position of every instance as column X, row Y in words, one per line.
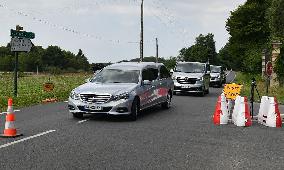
column 141, row 34
column 157, row 50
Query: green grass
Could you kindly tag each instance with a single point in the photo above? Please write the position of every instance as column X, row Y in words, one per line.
column 245, row 80
column 30, row 88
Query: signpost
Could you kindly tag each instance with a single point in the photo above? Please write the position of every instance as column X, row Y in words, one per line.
column 20, row 42
column 269, row 71
column 22, row 34
column 231, row 91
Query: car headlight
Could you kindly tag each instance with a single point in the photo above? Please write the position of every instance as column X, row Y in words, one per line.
column 200, row 79
column 74, row 95
column 219, row 76
column 121, row 96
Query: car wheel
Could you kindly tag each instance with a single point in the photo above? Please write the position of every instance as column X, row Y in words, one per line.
column 78, row 115
column 134, row 110
column 167, row 103
column 174, row 93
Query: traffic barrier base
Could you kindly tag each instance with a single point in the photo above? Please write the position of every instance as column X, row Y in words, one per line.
column 241, row 114
column 269, row 114
column 221, row 114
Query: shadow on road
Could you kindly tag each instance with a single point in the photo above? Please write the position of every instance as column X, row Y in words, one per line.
column 145, row 114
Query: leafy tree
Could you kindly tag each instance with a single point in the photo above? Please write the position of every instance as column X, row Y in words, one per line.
column 249, row 30
column 276, row 23
column 203, row 50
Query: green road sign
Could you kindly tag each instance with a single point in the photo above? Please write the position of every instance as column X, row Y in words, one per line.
column 22, row 34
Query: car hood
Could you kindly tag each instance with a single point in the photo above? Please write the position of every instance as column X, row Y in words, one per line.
column 214, row 74
column 189, row 75
column 113, row 89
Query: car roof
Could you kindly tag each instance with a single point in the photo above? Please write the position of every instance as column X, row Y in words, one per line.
column 183, row 62
column 134, row 65
column 215, row 66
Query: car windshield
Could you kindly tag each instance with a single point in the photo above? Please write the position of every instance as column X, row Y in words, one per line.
column 116, row 76
column 190, row 68
column 215, row 69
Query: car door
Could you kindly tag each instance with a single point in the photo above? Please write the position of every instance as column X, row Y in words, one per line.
column 164, row 84
column 149, row 75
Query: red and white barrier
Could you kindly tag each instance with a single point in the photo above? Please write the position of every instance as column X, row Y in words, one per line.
column 221, row 114
column 269, row 114
column 241, row 113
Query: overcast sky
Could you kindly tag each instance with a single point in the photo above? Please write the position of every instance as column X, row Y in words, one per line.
column 109, row 30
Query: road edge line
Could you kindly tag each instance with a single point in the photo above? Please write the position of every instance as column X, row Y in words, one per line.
column 24, row 139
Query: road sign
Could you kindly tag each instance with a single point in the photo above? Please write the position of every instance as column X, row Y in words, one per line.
column 22, row 34
column 48, row 87
column 21, row 44
column 231, row 91
column 269, row 68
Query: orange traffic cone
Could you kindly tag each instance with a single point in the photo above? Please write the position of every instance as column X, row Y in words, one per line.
column 10, row 129
column 248, row 121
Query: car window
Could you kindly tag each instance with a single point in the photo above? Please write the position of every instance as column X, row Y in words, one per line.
column 215, row 69
column 150, row 74
column 164, row 72
column 116, row 76
column 190, row 68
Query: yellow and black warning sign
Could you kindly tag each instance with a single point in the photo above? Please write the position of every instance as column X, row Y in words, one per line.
column 48, row 87
column 231, row 91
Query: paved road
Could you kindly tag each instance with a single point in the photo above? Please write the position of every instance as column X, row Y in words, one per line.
column 180, row 138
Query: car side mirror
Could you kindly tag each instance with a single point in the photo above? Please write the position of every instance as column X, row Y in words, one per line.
column 146, row 82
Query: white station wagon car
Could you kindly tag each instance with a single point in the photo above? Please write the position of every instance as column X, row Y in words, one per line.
column 123, row 89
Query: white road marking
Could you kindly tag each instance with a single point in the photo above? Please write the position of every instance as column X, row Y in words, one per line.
column 24, row 139
column 82, row 121
column 6, row 112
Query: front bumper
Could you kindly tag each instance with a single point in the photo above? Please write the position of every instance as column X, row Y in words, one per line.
column 215, row 81
column 191, row 88
column 119, row 107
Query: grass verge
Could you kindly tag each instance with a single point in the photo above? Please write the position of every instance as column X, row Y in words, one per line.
column 30, row 88
column 246, row 79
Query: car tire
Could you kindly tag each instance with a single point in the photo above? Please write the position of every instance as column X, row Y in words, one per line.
column 78, row 115
column 134, row 110
column 174, row 93
column 167, row 103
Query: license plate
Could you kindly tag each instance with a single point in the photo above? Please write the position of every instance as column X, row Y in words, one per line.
column 91, row 107
column 186, row 87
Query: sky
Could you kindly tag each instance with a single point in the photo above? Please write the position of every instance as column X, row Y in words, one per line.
column 109, row 30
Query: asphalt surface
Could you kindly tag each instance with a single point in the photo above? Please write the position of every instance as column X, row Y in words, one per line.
column 182, row 137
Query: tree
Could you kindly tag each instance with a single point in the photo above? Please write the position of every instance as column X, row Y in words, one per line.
column 249, row 30
column 203, row 50
column 82, row 61
column 276, row 23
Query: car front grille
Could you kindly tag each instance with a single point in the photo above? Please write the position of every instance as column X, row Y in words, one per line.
column 186, row 80
column 95, row 98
